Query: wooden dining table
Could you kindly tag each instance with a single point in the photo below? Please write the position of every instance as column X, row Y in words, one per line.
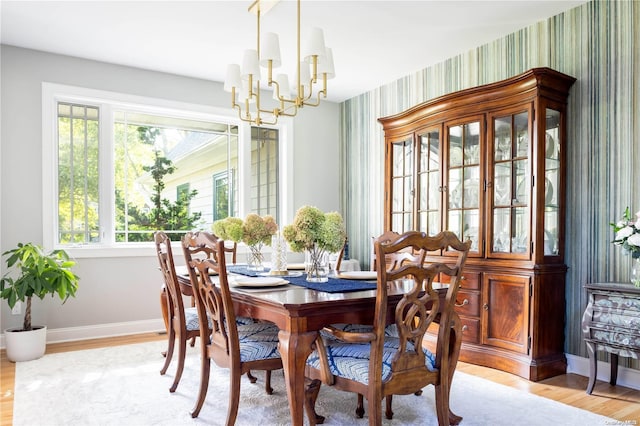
column 300, row 313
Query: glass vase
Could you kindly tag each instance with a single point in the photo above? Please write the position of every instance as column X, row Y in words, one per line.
column 317, row 265
column 255, row 258
column 635, row 272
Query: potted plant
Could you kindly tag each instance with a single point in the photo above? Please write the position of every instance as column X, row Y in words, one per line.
column 317, row 234
column 255, row 232
column 34, row 273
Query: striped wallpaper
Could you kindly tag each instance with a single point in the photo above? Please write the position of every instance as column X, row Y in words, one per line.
column 599, row 44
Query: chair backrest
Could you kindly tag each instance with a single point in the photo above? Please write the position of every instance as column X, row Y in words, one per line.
column 419, row 306
column 204, row 256
column 396, row 259
column 167, row 267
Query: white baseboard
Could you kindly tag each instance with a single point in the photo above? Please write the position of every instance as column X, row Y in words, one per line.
column 627, row 377
column 57, row 335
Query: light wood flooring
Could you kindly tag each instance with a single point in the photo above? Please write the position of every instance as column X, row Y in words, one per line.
column 617, row 402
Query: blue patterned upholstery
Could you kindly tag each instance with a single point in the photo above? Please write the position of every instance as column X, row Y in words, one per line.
column 390, row 331
column 191, row 319
column 351, row 361
column 258, row 340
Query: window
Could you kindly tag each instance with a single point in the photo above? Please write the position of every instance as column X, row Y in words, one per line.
column 264, row 171
column 222, row 195
column 121, row 170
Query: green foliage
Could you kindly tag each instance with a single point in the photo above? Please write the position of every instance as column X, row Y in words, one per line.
column 39, row 274
column 311, row 228
column 165, row 215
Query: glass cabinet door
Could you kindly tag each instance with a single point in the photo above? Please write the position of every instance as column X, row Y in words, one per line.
column 553, row 144
column 402, row 185
column 429, row 184
column 511, row 184
column 463, row 182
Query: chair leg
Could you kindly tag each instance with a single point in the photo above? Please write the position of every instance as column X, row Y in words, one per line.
column 192, row 343
column 204, row 383
column 234, row 399
column 442, row 406
column 267, row 382
column 169, row 353
column 312, row 387
column 251, row 377
column 182, row 353
column 360, row 406
column 389, row 412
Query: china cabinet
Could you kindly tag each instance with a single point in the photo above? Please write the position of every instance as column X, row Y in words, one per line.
column 488, row 163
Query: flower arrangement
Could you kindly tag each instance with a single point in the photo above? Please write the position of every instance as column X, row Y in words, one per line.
column 254, row 231
column 318, row 234
column 627, row 233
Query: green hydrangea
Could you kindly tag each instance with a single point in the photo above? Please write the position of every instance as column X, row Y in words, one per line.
column 313, row 227
column 258, row 230
column 253, row 231
column 229, row 228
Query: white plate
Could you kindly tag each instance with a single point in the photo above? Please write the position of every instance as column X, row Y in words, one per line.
column 358, row 275
column 295, row 266
column 258, row 282
column 292, row 274
column 182, row 270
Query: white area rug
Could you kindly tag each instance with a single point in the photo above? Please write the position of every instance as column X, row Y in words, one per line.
column 122, row 386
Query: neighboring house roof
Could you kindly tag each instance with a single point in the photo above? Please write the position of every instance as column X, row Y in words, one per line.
column 190, row 144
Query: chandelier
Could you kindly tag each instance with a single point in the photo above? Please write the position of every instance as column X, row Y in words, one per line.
column 314, row 68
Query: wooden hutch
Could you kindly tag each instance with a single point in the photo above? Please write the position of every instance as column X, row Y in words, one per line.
column 488, row 163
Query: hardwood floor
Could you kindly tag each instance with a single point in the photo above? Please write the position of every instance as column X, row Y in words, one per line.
column 617, row 402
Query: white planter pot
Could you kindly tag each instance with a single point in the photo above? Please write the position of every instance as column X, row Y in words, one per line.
column 25, row 345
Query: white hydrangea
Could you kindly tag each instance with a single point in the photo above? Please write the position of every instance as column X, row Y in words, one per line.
column 634, row 240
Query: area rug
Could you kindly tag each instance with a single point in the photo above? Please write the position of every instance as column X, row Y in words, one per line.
column 122, row 386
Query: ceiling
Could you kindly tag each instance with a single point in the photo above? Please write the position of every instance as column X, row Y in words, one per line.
column 373, row 42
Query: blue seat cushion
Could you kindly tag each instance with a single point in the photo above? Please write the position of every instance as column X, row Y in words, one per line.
column 351, row 360
column 258, row 340
column 391, row 330
column 191, row 318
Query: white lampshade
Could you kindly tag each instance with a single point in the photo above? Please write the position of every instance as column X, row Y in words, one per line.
column 325, row 65
column 283, row 83
column 233, row 78
column 250, row 64
column 270, row 49
column 314, row 44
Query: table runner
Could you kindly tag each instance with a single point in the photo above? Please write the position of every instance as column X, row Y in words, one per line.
column 334, row 285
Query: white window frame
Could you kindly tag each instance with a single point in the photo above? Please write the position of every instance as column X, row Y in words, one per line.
column 108, row 101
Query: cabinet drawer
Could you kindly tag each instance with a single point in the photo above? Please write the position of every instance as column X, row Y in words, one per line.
column 470, row 280
column 470, row 330
column 468, row 303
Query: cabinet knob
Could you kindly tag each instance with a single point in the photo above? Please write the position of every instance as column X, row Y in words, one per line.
column 465, row 328
column 464, row 302
column 485, row 307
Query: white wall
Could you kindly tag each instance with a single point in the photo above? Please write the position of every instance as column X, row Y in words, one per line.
column 118, row 290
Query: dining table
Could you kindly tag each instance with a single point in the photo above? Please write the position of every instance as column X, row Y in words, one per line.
column 300, row 309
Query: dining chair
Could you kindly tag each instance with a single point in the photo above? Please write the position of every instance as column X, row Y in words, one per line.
column 238, row 347
column 182, row 322
column 376, row 365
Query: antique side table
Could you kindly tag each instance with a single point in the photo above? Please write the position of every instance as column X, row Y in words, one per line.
column 611, row 322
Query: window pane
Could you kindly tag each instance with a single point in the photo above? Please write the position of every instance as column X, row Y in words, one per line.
column 264, row 171
column 78, row 193
column 163, row 174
